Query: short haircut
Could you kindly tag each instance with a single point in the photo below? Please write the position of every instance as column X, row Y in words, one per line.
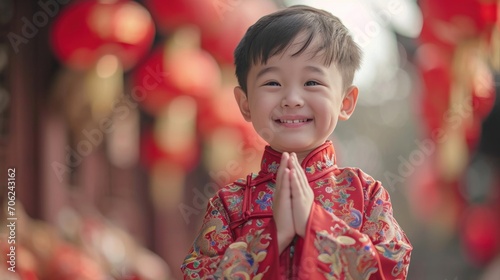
column 273, row 33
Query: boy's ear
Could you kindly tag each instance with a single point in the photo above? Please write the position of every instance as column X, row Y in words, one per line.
column 242, row 100
column 348, row 103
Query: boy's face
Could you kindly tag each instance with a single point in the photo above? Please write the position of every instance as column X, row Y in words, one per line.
column 294, row 102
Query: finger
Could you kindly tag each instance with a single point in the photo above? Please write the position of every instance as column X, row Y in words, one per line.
column 285, row 185
column 290, row 161
column 283, row 194
column 294, row 184
column 295, row 187
column 301, row 176
column 283, row 164
column 295, row 161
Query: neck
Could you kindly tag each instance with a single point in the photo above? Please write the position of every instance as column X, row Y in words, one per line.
column 302, row 155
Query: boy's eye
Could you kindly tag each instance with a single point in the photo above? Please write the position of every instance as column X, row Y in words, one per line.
column 273, row 84
column 311, row 83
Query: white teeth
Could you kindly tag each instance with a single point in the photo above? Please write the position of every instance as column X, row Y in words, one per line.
column 293, row 121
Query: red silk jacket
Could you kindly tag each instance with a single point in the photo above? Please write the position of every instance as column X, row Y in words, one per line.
column 351, row 232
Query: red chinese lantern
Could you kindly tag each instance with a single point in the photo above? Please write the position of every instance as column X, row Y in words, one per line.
column 222, row 37
column 167, row 74
column 150, row 86
column 171, row 14
column 152, row 153
column 481, row 234
column 87, row 30
column 174, row 136
column 424, row 188
column 27, row 266
column 70, row 263
column 193, row 72
column 447, row 22
column 490, row 12
column 223, row 111
column 436, row 78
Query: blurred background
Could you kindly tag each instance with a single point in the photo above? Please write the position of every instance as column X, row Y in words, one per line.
column 117, row 123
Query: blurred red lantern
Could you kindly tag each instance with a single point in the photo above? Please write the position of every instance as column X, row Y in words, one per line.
column 69, row 263
column 490, row 12
column 429, row 35
column 481, row 234
column 27, row 263
column 436, row 78
column 447, row 22
column 168, row 74
column 86, row 30
column 150, row 85
column 28, row 275
column 171, row 14
column 448, row 9
column 223, row 111
column 152, row 153
column 222, row 37
column 424, row 189
column 174, row 137
column 193, row 72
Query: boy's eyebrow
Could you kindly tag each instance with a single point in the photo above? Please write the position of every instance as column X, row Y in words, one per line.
column 315, row 69
column 266, row 70
column 274, row 68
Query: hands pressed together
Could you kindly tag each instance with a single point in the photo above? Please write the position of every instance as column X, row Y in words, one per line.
column 293, row 199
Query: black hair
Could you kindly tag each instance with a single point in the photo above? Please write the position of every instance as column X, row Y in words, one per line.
column 273, row 33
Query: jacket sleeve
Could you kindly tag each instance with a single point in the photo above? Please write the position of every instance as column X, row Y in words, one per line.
column 333, row 249
column 216, row 254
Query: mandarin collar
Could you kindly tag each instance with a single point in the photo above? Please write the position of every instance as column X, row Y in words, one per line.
column 320, row 160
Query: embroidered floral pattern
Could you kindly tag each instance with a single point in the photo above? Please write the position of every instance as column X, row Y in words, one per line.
column 326, row 203
column 243, row 258
column 264, row 200
column 310, row 170
column 273, row 167
column 343, row 260
column 329, row 160
column 235, row 203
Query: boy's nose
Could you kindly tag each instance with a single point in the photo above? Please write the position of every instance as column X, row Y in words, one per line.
column 292, row 99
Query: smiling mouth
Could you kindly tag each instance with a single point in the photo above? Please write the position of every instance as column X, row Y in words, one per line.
column 293, row 121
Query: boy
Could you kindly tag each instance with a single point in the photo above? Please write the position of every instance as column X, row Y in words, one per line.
column 300, row 217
